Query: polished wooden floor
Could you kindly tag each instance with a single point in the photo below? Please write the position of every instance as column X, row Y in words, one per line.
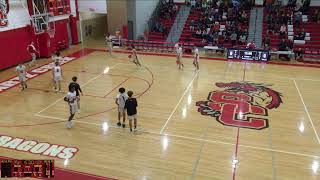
column 174, row 140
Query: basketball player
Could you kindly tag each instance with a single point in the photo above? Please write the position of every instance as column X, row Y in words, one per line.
column 77, row 88
column 32, row 51
column 196, row 58
column 109, row 43
column 131, row 107
column 21, row 69
column 135, row 57
column 57, row 76
column 56, row 57
column 176, row 46
column 179, row 57
column 121, row 101
column 71, row 99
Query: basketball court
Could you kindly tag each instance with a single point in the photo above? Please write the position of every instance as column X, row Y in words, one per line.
column 230, row 120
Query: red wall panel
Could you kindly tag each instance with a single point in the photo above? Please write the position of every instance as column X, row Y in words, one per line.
column 13, row 46
column 61, row 40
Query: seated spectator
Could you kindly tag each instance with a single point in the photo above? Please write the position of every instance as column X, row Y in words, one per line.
column 298, row 54
column 316, row 16
column 300, row 35
column 215, row 37
column 243, row 38
column 283, row 45
column 192, row 25
column 283, row 31
column 198, row 33
column 233, row 38
column 266, row 42
column 251, row 45
column 298, row 18
column 244, row 17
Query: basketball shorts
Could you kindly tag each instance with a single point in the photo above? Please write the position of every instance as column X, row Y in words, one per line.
column 73, row 108
column 121, row 109
column 132, row 117
column 34, row 57
column 57, row 78
column 22, row 78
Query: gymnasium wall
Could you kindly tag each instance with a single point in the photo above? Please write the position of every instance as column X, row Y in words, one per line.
column 144, row 10
column 117, row 15
column 93, row 25
column 16, row 36
column 94, row 6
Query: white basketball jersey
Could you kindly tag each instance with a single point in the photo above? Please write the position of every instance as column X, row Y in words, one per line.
column 57, row 71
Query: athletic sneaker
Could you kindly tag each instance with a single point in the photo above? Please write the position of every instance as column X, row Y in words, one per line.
column 123, row 125
column 130, row 130
column 68, row 125
column 119, row 124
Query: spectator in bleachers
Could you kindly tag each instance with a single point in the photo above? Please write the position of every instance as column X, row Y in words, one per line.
column 300, row 35
column 306, row 6
column 192, row 25
column 234, row 38
column 251, row 45
column 283, row 45
column 215, row 37
column 298, row 18
column 244, row 17
column 283, row 31
column 198, row 33
column 298, row 54
column 243, row 38
column 316, row 16
column 266, row 42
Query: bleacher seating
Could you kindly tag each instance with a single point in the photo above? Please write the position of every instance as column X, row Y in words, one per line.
column 167, row 23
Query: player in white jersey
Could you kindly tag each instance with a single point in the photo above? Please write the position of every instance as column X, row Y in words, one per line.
column 196, row 58
column 57, row 76
column 109, row 43
column 56, row 57
column 135, row 57
column 179, row 57
column 176, row 46
column 32, row 51
column 71, row 99
column 22, row 74
column 121, row 101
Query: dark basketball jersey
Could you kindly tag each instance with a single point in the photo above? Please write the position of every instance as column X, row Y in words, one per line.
column 76, row 87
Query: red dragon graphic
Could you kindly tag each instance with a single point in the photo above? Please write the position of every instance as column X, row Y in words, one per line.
column 254, row 90
column 235, row 105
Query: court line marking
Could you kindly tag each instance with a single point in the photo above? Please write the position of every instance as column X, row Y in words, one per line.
column 195, row 139
column 176, row 107
column 83, row 85
column 306, row 110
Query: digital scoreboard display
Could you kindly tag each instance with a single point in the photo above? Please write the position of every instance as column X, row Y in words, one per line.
column 27, row 168
column 248, row 54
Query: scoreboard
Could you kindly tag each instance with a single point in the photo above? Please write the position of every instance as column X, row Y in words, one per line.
column 27, row 168
column 248, row 54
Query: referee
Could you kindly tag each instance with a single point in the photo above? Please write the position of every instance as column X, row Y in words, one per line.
column 77, row 88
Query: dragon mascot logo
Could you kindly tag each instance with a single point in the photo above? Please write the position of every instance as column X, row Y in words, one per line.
column 4, row 10
column 241, row 104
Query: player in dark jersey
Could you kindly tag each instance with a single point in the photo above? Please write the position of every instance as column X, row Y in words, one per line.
column 131, row 107
column 77, row 88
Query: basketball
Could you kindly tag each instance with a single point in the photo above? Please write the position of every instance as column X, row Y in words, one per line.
column 129, row 56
